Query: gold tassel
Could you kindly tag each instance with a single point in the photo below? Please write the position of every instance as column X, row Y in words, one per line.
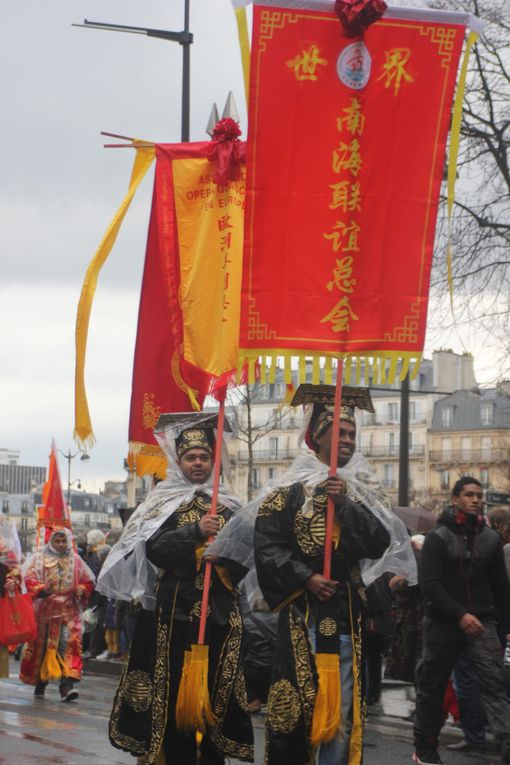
column 52, row 667
column 193, row 711
column 327, row 709
column 4, row 661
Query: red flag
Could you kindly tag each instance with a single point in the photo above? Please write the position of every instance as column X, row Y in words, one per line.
column 53, row 513
column 342, row 197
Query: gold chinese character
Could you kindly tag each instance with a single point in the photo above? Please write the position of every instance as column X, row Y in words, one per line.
column 393, row 69
column 346, row 196
column 347, row 157
column 340, row 316
column 354, row 120
column 340, row 232
column 306, row 63
column 342, row 275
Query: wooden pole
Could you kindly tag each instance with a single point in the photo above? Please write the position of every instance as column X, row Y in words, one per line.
column 333, row 466
column 212, row 511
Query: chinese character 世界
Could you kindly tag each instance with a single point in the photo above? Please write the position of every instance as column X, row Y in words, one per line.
column 347, row 157
column 340, row 316
column 342, row 275
column 354, row 120
column 344, row 235
column 346, row 196
column 305, row 65
column 394, row 68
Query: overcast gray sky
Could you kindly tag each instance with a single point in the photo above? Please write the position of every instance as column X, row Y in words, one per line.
column 59, row 189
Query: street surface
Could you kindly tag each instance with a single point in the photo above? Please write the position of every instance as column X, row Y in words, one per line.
column 49, row 732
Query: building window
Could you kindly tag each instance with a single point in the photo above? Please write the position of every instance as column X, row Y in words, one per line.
column 388, row 476
column 277, row 418
column 271, row 474
column 465, row 447
column 273, row 448
column 5, row 506
column 484, row 476
column 392, row 443
column 486, row 447
column 446, row 448
column 24, row 524
column 393, row 412
column 264, row 392
column 415, row 411
column 280, row 390
column 444, row 479
column 486, row 414
column 447, row 417
column 255, row 478
column 24, row 507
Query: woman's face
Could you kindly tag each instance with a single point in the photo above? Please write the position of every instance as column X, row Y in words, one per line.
column 59, row 543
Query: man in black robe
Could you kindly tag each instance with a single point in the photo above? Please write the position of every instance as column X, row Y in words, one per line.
column 143, row 718
column 317, row 615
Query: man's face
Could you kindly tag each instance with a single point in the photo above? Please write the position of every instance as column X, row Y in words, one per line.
column 59, row 543
column 469, row 499
column 346, row 443
column 196, row 465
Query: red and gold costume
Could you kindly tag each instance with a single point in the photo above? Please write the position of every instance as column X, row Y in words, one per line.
column 61, row 584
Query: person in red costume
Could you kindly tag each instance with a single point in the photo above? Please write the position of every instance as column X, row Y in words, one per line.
column 61, row 584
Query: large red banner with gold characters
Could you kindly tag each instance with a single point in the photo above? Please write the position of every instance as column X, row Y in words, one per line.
column 188, row 323
column 346, row 155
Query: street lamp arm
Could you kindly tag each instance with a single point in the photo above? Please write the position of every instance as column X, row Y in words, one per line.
column 183, row 38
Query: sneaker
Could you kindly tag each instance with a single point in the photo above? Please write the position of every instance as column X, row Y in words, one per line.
column 39, row 690
column 427, row 757
column 504, row 750
column 103, row 656
column 69, row 696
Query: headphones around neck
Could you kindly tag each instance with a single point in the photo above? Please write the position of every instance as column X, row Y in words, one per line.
column 469, row 519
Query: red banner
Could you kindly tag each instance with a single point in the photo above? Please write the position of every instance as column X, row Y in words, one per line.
column 188, row 324
column 346, row 156
column 53, row 513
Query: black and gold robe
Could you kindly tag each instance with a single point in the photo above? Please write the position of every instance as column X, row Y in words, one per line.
column 289, row 548
column 143, row 716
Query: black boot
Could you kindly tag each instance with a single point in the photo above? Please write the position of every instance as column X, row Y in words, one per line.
column 40, row 689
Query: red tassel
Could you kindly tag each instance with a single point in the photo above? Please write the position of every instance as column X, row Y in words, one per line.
column 357, row 15
column 227, row 150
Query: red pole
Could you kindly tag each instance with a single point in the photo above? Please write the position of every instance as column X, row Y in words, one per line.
column 212, row 511
column 333, row 465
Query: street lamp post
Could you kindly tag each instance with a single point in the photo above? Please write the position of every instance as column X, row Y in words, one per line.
column 69, row 457
column 185, row 40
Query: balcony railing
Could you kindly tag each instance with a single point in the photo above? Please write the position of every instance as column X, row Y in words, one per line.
column 389, row 452
column 268, row 455
column 465, row 456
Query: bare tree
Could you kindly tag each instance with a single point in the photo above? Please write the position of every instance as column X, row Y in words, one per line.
column 249, row 429
column 480, row 232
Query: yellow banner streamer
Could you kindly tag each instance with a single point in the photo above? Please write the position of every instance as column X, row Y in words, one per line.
column 454, row 152
column 244, row 44
column 82, row 425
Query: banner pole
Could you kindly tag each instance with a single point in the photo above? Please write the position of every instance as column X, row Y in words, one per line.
column 333, row 466
column 212, row 511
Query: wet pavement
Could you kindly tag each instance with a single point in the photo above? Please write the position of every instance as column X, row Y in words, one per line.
column 49, row 732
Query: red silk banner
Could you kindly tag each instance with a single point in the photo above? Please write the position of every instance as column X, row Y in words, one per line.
column 53, row 513
column 188, row 324
column 346, row 155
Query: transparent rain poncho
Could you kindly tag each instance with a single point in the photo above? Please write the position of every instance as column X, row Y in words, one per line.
column 235, row 541
column 127, row 574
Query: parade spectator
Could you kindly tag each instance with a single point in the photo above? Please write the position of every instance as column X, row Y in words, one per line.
column 169, row 532
column 464, row 581
column 10, row 575
column 260, row 626
column 95, row 539
column 380, row 622
column 499, row 520
column 61, row 583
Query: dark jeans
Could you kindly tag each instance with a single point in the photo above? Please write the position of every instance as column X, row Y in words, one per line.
column 442, row 644
column 472, row 716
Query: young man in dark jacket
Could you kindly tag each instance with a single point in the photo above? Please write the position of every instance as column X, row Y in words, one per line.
column 467, row 592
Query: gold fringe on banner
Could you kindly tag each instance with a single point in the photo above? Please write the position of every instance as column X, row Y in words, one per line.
column 82, row 425
column 146, row 459
column 380, row 367
column 454, row 152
